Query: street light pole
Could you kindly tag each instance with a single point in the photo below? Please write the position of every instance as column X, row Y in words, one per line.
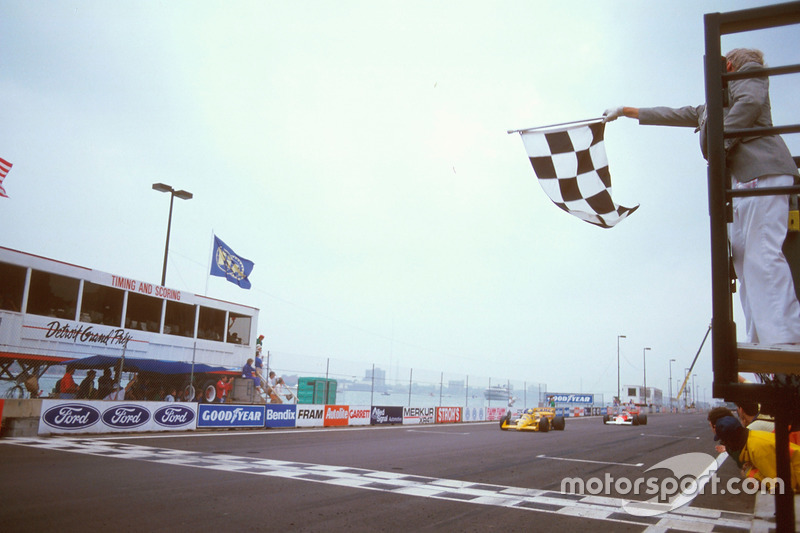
column 670, row 383
column 619, row 400
column 183, row 195
column 686, row 388
column 644, row 368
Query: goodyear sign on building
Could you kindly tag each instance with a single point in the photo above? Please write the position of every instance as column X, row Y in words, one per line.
column 560, row 397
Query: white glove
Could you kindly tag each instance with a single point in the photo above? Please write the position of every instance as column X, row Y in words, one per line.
column 612, row 113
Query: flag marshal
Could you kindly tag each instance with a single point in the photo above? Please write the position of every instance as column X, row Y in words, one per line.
column 229, row 265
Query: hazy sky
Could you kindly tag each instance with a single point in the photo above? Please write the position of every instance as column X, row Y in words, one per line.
column 357, row 153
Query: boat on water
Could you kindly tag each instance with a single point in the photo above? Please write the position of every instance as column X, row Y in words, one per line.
column 497, row 393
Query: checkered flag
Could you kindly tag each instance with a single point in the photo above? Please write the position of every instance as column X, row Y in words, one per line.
column 572, row 168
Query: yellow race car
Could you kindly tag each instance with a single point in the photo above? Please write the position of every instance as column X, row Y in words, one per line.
column 534, row 419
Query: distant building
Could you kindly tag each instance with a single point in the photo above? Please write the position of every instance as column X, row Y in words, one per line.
column 380, row 377
column 635, row 394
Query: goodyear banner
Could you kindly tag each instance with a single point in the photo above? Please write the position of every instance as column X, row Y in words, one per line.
column 83, row 416
column 561, row 397
column 220, row 415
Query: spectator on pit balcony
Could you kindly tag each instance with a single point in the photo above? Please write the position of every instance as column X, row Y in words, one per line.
column 66, row 385
column 86, row 389
column 249, row 372
column 224, row 386
column 104, row 384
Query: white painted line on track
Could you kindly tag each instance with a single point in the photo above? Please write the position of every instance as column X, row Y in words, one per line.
column 439, row 432
column 526, row 499
column 587, row 461
column 668, row 436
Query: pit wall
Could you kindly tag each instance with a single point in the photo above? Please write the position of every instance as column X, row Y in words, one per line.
column 65, row 417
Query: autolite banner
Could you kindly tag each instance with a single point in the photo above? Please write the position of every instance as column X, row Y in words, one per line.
column 448, row 415
column 336, row 415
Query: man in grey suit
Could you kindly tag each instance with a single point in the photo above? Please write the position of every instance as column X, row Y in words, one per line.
column 766, row 289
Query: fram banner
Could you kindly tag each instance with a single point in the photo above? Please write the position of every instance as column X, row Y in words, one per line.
column 336, row 415
column 216, row 415
column 448, row 415
column 359, row 415
column 280, row 415
column 79, row 416
column 309, row 416
column 419, row 415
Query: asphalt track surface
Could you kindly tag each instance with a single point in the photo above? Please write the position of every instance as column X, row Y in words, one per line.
column 459, row 477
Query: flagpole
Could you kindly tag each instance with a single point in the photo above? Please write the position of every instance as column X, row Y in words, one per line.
column 210, row 260
column 586, row 121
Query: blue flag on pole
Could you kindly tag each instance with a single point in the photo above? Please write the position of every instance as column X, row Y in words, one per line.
column 227, row 264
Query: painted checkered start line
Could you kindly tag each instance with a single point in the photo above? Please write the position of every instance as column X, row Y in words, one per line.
column 592, row 507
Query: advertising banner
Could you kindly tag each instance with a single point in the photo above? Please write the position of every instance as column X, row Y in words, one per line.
column 309, row 416
column 336, row 415
column 419, row 415
column 561, row 397
column 84, row 416
column 359, row 415
column 478, row 414
column 448, row 415
column 386, row 415
column 280, row 415
column 220, row 415
column 495, row 413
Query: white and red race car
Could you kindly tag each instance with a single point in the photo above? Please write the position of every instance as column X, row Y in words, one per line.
column 626, row 417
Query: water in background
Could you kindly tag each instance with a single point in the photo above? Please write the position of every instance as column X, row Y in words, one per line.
column 357, row 397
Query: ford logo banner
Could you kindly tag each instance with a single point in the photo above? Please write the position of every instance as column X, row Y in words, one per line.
column 71, row 416
column 173, row 416
column 126, row 416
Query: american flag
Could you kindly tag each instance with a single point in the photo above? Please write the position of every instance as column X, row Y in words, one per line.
column 5, row 166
